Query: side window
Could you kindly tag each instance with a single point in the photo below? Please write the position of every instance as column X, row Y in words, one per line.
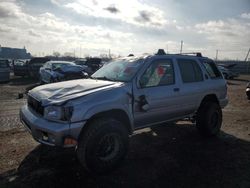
column 159, row 73
column 212, row 70
column 190, row 71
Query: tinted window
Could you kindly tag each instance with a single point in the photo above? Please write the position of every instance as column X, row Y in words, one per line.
column 212, row 69
column 159, row 73
column 190, row 71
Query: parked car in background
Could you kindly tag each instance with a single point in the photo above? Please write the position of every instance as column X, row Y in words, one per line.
column 248, row 91
column 20, row 67
column 227, row 73
column 4, row 70
column 29, row 67
column 93, row 64
column 55, row 71
column 35, row 64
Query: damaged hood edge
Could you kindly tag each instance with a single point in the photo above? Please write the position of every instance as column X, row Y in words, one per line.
column 58, row 93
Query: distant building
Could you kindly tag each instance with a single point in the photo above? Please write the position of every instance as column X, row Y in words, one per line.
column 14, row 53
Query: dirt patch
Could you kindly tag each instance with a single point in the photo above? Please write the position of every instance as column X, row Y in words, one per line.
column 163, row 156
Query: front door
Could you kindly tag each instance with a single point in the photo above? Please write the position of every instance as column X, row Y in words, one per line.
column 156, row 97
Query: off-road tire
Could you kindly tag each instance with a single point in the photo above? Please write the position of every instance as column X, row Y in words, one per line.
column 92, row 143
column 209, row 119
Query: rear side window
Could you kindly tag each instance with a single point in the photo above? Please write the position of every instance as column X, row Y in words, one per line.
column 212, row 70
column 190, row 70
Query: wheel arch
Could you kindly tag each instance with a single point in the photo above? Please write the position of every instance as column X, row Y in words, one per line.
column 117, row 114
column 209, row 98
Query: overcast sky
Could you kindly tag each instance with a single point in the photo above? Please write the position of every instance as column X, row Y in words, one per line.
column 92, row 27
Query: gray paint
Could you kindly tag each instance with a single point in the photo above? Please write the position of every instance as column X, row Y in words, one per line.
column 90, row 97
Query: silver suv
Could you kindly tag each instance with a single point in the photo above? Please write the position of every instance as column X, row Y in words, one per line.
column 97, row 115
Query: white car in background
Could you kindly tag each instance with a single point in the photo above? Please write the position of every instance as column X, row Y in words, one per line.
column 55, row 71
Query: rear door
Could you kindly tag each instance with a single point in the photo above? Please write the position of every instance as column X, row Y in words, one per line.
column 192, row 84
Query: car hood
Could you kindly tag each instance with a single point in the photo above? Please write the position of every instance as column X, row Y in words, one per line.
column 61, row 92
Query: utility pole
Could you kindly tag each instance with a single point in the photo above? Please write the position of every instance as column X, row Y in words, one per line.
column 80, row 51
column 109, row 54
column 246, row 60
column 216, row 57
column 181, row 46
column 247, row 55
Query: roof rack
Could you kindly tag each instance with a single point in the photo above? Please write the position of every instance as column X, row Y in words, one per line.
column 198, row 54
column 161, row 52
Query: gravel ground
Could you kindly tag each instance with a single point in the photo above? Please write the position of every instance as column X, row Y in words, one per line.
column 163, row 156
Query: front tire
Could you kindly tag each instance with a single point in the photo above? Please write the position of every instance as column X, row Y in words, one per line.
column 103, row 145
column 209, row 119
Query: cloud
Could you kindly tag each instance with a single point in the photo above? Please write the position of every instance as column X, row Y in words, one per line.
column 112, row 9
column 245, row 15
column 227, row 28
column 4, row 30
column 136, row 12
column 46, row 31
column 9, row 9
column 34, row 34
column 230, row 36
column 144, row 16
column 122, row 26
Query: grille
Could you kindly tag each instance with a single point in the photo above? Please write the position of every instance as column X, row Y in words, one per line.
column 35, row 105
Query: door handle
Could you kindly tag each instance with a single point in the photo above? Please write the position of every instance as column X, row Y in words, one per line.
column 176, row 89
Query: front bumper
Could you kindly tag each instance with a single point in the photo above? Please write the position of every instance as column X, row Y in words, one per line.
column 49, row 132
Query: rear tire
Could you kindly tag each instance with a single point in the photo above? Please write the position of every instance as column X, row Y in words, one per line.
column 209, row 119
column 103, row 145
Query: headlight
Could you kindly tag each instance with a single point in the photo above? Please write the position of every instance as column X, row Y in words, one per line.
column 58, row 113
